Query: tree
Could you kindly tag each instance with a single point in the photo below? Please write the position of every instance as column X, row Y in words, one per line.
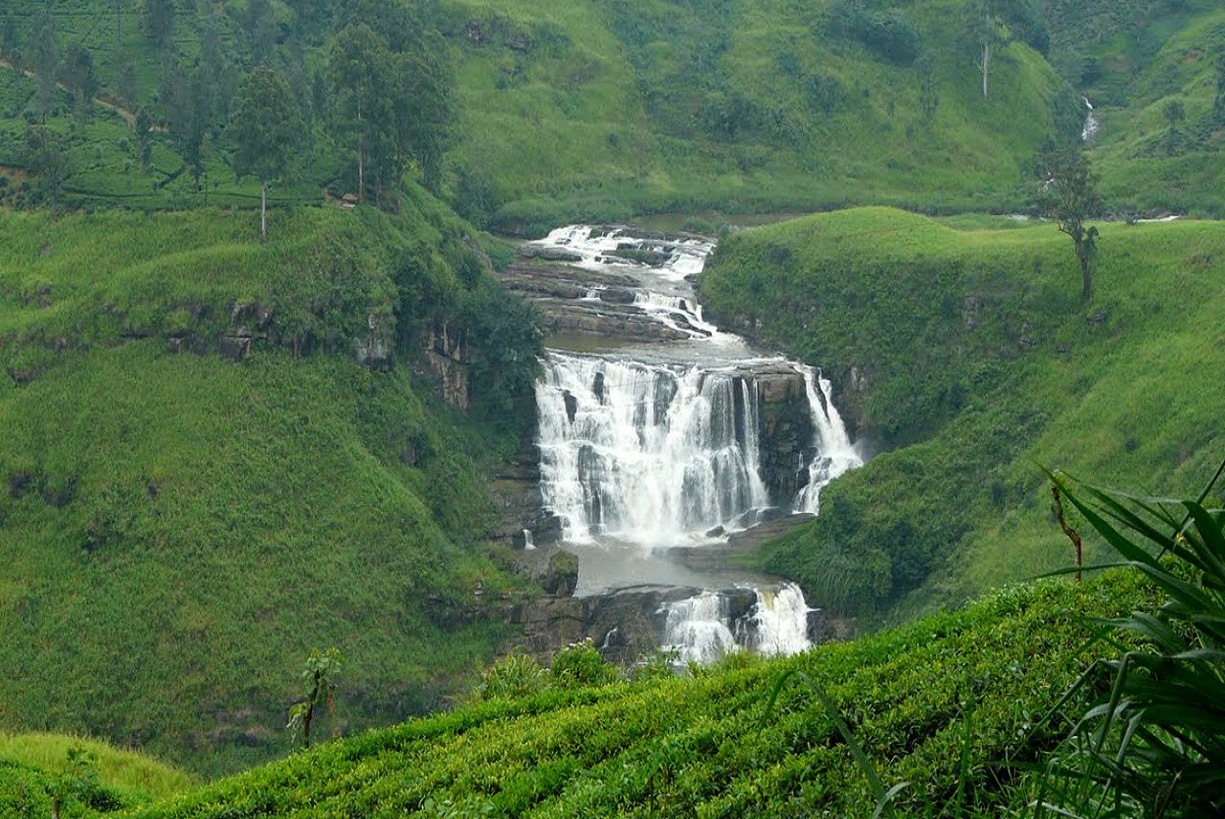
column 986, row 28
column 1174, row 112
column 159, row 22
column 1218, row 101
column 1069, row 195
column 261, row 29
column 266, row 127
column 319, row 677
column 144, row 138
column 186, row 98
column 80, row 76
column 8, row 34
column 125, row 79
column 44, row 55
column 359, row 63
column 393, row 95
column 925, row 68
column 47, row 156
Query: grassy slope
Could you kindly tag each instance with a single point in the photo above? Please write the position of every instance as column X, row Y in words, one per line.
column 967, row 355
column 709, row 747
column 626, row 107
column 180, row 529
column 134, row 778
column 602, row 110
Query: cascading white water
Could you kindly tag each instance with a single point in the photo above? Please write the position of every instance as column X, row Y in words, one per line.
column 640, row 456
column 697, row 630
column 780, row 621
column 1091, row 124
column 835, row 454
column 650, row 454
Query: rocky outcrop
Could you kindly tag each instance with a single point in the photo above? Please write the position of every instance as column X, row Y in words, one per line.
column 786, row 431
column 446, row 354
column 587, row 303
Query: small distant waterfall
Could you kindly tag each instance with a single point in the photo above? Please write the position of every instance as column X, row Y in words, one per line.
column 1091, row 124
column 647, row 453
column 835, row 454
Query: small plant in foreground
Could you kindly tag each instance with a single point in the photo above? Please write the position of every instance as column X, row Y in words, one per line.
column 78, row 782
column 319, row 676
column 579, row 665
column 1154, row 744
column 515, row 675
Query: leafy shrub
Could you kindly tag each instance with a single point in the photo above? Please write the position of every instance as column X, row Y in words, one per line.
column 579, row 665
column 514, row 676
column 1153, row 743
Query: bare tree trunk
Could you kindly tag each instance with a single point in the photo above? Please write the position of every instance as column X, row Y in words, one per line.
column 1086, row 277
column 263, row 213
column 361, row 157
column 986, row 65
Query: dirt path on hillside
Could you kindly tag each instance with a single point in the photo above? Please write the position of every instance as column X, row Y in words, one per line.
column 128, row 115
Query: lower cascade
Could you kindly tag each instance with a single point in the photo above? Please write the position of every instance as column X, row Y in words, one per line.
column 703, row 628
column 651, row 454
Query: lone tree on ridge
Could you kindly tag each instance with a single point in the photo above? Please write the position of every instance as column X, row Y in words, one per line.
column 1068, row 194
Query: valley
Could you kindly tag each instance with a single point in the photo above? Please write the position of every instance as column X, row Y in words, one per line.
column 650, row 408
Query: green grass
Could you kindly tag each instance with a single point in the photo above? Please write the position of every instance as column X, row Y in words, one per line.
column 967, row 358
column 141, row 777
column 712, row 746
column 180, row 529
column 603, row 112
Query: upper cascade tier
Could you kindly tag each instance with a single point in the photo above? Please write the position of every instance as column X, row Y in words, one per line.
column 647, row 453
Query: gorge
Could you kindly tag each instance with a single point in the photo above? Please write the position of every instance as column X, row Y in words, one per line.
column 661, row 437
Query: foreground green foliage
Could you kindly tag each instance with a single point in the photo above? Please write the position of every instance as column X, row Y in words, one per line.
column 1154, row 744
column 34, row 765
column 710, row 745
column 180, row 528
column 967, row 357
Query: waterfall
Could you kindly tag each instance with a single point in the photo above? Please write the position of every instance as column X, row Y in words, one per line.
column 650, row 454
column 835, row 454
column 780, row 621
column 656, row 448
column 697, row 629
column 676, row 312
column 1091, row 124
column 701, row 628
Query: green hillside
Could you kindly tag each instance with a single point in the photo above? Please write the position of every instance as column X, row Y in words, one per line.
column 659, row 106
column 181, row 528
column 1132, row 60
column 952, row 705
column 967, row 358
column 594, row 110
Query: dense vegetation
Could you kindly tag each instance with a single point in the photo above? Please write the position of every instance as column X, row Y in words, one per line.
column 181, row 528
column 968, row 358
column 208, row 438
column 952, row 705
column 523, row 117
